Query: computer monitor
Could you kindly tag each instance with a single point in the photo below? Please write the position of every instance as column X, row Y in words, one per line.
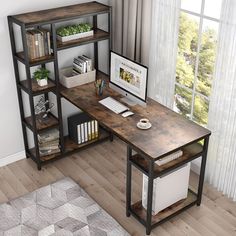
column 128, row 78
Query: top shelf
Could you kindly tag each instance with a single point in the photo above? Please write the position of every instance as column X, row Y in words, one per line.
column 61, row 14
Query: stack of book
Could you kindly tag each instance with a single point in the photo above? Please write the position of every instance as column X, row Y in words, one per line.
column 81, row 65
column 169, row 158
column 82, row 128
column 49, row 142
column 39, row 43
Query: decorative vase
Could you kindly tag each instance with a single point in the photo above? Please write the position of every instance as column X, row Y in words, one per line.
column 42, row 82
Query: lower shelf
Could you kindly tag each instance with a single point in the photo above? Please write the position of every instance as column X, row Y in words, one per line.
column 71, row 147
column 140, row 212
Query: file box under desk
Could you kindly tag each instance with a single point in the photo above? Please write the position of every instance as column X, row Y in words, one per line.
column 69, row 81
column 167, row 189
column 82, row 128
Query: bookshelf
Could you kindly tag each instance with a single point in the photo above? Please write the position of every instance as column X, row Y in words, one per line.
column 50, row 18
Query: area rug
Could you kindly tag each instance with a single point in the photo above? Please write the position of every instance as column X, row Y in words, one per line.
column 59, row 209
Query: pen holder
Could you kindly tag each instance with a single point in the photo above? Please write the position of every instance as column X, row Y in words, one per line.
column 99, row 87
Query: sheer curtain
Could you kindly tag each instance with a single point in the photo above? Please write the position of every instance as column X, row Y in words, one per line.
column 221, row 166
column 131, row 28
column 163, row 50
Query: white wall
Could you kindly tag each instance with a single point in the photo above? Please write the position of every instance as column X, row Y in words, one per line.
column 11, row 141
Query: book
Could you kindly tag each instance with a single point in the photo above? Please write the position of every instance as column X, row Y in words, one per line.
column 48, row 152
column 49, row 135
column 49, row 143
column 96, row 129
column 81, row 128
column 89, row 131
column 169, row 158
column 80, row 65
column 39, row 42
column 82, row 133
column 86, row 131
column 93, row 129
column 79, row 134
column 89, row 63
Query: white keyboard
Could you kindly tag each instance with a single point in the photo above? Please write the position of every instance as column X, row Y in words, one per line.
column 113, row 105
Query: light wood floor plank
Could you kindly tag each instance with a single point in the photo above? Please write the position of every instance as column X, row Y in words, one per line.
column 101, row 171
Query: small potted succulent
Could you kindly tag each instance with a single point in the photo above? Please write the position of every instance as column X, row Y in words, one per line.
column 41, row 76
column 72, row 32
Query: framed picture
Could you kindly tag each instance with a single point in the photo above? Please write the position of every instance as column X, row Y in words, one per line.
column 128, row 75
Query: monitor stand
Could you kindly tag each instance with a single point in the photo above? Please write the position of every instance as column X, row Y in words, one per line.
column 128, row 98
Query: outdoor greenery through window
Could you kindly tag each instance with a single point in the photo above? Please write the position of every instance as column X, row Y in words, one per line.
column 197, row 46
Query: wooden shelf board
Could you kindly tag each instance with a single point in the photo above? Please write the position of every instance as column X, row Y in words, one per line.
column 71, row 146
column 42, row 124
column 61, row 13
column 188, row 152
column 98, row 36
column 37, row 61
column 36, row 88
column 141, row 212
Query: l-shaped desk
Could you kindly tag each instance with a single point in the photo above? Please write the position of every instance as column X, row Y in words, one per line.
column 169, row 132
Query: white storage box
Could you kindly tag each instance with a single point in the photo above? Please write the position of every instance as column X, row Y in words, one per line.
column 167, row 189
column 70, row 81
column 75, row 36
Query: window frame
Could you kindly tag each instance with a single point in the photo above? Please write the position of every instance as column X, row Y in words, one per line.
column 193, row 90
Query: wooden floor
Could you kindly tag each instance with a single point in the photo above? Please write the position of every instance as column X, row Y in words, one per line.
column 100, row 170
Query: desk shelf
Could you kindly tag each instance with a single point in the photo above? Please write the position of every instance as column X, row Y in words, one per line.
column 42, row 124
column 34, row 62
column 190, row 153
column 50, row 20
column 99, row 35
column 36, row 89
column 140, row 213
column 71, row 147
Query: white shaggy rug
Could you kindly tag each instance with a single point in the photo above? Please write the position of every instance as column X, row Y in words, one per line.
column 59, row 209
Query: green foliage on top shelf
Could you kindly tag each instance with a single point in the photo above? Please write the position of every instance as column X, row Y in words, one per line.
column 73, row 29
column 41, row 73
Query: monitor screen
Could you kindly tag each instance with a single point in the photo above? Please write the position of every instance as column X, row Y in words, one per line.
column 128, row 75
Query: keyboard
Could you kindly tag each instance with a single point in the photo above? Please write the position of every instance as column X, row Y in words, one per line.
column 113, row 105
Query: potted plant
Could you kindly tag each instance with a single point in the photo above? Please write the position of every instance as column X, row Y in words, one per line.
column 72, row 32
column 41, row 76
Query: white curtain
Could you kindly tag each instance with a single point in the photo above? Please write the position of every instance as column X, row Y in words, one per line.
column 163, row 50
column 131, row 28
column 221, row 165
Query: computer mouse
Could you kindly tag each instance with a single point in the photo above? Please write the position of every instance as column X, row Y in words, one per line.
column 127, row 113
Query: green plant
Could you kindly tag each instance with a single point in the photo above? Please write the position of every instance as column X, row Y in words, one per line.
column 41, row 73
column 73, row 29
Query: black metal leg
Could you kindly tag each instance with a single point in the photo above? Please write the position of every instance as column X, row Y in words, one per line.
column 95, row 25
column 111, row 137
column 128, row 181
column 202, row 172
column 39, row 166
column 149, row 198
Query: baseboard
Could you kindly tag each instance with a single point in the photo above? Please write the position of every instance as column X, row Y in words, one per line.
column 12, row 158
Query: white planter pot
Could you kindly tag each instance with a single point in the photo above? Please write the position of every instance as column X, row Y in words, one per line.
column 75, row 36
column 42, row 82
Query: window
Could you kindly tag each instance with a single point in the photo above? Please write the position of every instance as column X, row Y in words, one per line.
column 198, row 29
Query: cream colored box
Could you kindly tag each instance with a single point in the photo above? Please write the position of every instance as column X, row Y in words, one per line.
column 72, row 81
column 167, row 189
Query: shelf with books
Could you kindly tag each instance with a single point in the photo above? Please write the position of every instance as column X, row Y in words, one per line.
column 138, row 211
column 36, row 89
column 42, row 124
column 99, row 35
column 190, row 153
column 40, row 47
column 72, row 147
column 37, row 61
